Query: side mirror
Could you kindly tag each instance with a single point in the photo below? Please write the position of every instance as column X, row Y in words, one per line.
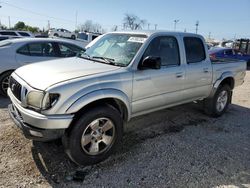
column 150, row 62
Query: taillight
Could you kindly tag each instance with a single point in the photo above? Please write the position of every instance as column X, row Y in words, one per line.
column 212, row 56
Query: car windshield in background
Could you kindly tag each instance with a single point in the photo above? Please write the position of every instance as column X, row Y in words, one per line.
column 116, row 49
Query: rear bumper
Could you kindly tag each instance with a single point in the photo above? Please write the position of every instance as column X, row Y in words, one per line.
column 31, row 132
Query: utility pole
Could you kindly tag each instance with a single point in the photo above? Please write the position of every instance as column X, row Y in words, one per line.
column 9, row 22
column 196, row 26
column 76, row 20
column 48, row 25
column 148, row 26
column 156, row 26
column 209, row 35
column 175, row 23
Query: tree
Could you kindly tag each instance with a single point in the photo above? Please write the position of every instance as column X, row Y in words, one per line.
column 19, row 26
column 89, row 26
column 133, row 22
column 22, row 26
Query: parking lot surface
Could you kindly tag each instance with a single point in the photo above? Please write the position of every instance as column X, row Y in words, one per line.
column 176, row 147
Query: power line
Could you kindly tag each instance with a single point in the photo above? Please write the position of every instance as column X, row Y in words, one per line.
column 35, row 13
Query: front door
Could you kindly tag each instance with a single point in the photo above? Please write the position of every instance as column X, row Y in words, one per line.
column 154, row 88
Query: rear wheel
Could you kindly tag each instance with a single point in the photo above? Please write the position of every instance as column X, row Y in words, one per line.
column 217, row 105
column 56, row 35
column 94, row 136
column 4, row 81
column 73, row 37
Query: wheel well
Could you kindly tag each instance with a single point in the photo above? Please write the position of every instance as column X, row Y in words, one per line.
column 228, row 81
column 115, row 103
column 6, row 72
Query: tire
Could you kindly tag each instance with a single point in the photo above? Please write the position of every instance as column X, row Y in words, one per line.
column 248, row 64
column 84, row 151
column 73, row 37
column 4, row 83
column 56, row 35
column 218, row 105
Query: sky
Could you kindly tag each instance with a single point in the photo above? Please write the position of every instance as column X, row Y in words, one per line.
column 221, row 18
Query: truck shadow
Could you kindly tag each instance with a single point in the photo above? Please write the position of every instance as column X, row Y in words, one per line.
column 4, row 102
column 58, row 170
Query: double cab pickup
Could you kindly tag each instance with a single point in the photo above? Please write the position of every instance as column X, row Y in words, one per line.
column 86, row 100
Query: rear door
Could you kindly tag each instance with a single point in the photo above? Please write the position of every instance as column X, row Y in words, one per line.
column 35, row 52
column 154, row 88
column 198, row 80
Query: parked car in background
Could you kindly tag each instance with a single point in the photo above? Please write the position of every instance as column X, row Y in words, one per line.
column 5, row 37
column 61, row 33
column 86, row 100
column 18, row 52
column 229, row 53
column 87, row 37
column 16, row 33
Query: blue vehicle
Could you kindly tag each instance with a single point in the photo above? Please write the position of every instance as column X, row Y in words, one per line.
column 228, row 53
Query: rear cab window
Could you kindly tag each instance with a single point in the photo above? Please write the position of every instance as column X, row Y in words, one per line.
column 194, row 48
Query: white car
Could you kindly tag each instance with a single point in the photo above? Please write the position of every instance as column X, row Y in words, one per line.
column 61, row 33
column 15, row 53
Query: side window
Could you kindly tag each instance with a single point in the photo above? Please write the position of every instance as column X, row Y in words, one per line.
column 166, row 48
column 37, row 49
column 68, row 50
column 8, row 33
column 194, row 48
column 94, row 36
column 24, row 34
column 24, row 50
column 228, row 52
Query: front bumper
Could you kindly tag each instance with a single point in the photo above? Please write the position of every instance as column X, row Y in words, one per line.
column 32, row 132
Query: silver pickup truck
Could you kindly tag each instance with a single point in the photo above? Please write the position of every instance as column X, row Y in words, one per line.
column 87, row 99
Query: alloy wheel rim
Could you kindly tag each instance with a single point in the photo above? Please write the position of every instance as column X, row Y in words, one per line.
column 222, row 101
column 98, row 136
column 5, row 84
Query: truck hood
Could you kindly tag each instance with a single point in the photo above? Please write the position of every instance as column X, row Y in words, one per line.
column 44, row 74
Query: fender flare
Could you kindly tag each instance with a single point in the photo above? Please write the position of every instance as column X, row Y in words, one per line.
column 218, row 82
column 98, row 95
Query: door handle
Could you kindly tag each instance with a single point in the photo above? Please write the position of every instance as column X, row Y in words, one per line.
column 205, row 70
column 179, row 74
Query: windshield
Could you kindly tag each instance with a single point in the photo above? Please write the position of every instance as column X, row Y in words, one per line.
column 116, row 49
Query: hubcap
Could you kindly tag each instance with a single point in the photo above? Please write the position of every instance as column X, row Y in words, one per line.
column 98, row 136
column 5, row 84
column 222, row 101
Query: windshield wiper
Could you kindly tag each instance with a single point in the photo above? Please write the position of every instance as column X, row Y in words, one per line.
column 109, row 61
column 106, row 59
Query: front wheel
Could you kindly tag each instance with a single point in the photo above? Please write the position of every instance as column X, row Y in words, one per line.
column 217, row 105
column 4, row 83
column 94, row 136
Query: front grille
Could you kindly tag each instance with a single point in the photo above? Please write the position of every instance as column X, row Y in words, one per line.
column 16, row 88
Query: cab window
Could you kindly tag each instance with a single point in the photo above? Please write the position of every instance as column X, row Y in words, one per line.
column 195, row 51
column 166, row 48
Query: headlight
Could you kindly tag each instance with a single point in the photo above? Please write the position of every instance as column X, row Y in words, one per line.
column 34, row 99
column 40, row 100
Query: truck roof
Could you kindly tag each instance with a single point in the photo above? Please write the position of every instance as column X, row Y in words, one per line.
column 152, row 32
